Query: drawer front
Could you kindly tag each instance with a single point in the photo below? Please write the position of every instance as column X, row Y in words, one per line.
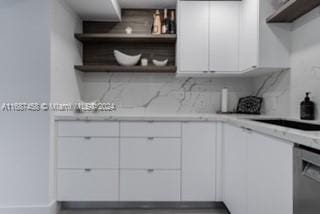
column 80, row 153
column 88, row 128
column 141, row 185
column 95, row 185
column 150, row 129
column 150, row 153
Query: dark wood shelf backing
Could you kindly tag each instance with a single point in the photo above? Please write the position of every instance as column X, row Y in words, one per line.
column 100, row 39
column 118, row 68
column 111, row 37
column 292, row 10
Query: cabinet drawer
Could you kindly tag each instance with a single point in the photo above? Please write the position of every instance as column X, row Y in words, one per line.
column 88, row 128
column 81, row 185
column 150, row 129
column 150, row 153
column 80, row 153
column 143, row 185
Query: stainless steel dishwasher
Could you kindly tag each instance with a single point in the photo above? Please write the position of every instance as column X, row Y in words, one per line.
column 306, row 181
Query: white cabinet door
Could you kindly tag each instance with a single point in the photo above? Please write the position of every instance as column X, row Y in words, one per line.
column 235, row 169
column 144, row 185
column 150, row 129
column 88, row 129
column 249, row 34
column 270, row 170
column 82, row 153
column 82, row 185
column 150, row 153
column 224, row 35
column 198, row 161
column 193, row 41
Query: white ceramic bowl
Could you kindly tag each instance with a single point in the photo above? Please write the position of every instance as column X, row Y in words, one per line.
column 126, row 60
column 160, row 63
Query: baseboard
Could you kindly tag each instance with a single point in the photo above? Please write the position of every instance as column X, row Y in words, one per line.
column 141, row 205
column 37, row 209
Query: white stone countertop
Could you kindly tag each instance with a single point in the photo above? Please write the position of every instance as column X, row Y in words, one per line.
column 306, row 138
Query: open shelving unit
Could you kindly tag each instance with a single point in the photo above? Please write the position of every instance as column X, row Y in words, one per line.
column 107, row 37
column 117, row 68
column 292, row 10
column 100, row 39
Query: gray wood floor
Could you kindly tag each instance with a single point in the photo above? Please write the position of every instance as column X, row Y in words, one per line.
column 146, row 211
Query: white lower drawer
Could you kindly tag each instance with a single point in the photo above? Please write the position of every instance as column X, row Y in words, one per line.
column 154, row 153
column 150, row 129
column 78, row 153
column 88, row 128
column 142, row 185
column 82, row 185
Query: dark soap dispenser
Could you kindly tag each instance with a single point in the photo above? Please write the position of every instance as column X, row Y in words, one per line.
column 307, row 108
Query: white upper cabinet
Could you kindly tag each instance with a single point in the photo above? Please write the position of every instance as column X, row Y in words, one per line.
column 230, row 37
column 224, row 35
column 193, row 30
column 262, row 45
column 208, row 36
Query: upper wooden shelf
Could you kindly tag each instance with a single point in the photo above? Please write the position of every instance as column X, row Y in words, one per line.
column 117, row 68
column 292, row 10
column 107, row 37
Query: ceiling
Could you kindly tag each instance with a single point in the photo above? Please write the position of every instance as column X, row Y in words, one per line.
column 153, row 4
column 98, row 10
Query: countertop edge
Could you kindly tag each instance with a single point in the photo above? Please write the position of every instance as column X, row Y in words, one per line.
column 309, row 139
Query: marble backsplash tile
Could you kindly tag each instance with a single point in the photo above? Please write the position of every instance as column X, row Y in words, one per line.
column 275, row 90
column 163, row 93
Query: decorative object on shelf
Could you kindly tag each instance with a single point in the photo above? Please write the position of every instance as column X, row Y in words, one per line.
column 129, row 30
column 126, row 60
column 165, row 29
column 249, row 105
column 156, row 27
column 160, row 63
column 144, row 62
column 307, row 108
column 224, row 100
column 172, row 23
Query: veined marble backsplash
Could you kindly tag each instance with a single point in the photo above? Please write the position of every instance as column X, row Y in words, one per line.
column 165, row 93
column 275, row 90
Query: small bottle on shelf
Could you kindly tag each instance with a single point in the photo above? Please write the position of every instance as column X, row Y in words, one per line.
column 172, row 23
column 166, row 23
column 156, row 28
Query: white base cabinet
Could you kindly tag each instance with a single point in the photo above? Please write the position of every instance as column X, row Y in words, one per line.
column 150, row 185
column 136, row 161
column 258, row 176
column 88, row 185
column 235, row 169
column 270, row 175
column 198, row 161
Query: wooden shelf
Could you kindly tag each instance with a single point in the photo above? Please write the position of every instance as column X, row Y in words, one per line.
column 143, row 38
column 292, row 10
column 117, row 68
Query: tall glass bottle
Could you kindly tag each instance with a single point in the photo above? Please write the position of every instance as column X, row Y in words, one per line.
column 172, row 25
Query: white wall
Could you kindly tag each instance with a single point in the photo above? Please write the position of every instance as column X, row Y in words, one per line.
column 65, row 53
column 25, row 77
column 65, row 81
column 305, row 60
